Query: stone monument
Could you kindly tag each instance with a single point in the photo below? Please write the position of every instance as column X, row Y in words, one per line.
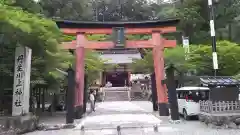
column 21, row 121
column 21, row 86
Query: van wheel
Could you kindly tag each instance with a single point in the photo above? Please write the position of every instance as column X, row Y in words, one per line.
column 185, row 115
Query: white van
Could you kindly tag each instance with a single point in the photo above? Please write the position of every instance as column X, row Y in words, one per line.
column 188, row 100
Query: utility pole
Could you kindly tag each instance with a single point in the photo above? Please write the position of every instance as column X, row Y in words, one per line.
column 95, row 2
column 104, row 10
column 184, row 35
column 120, row 9
column 212, row 30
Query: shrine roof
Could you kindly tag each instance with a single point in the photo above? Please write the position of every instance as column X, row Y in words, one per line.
column 134, row 24
column 219, row 80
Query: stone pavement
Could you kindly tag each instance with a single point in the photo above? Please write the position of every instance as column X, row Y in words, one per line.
column 134, row 118
column 113, row 114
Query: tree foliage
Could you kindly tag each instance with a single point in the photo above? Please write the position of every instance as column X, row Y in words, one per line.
column 67, row 9
column 228, row 58
column 194, row 15
column 30, row 6
column 199, row 60
column 23, row 22
column 174, row 56
column 114, row 10
column 44, row 37
column 19, row 27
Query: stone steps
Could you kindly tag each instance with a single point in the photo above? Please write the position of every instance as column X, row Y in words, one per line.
column 116, row 96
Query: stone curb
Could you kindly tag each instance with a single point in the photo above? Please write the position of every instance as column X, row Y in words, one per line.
column 167, row 119
column 3, row 131
column 13, row 131
column 39, row 127
column 46, row 127
column 224, row 126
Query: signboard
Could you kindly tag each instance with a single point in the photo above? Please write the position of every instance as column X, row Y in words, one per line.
column 185, row 42
column 119, row 37
column 215, row 60
column 21, row 86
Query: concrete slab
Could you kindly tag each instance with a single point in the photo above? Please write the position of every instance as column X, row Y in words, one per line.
column 119, row 112
column 113, row 114
column 123, row 120
column 122, row 106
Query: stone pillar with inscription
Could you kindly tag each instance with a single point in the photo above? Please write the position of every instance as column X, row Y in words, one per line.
column 21, row 86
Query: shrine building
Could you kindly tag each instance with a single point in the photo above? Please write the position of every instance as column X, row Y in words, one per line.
column 120, row 75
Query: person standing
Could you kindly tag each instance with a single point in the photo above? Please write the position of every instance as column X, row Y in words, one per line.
column 95, row 96
column 92, row 101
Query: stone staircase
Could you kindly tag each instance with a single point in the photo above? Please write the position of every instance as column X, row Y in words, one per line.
column 116, row 96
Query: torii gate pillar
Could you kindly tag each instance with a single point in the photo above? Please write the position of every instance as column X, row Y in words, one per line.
column 79, row 75
column 158, row 58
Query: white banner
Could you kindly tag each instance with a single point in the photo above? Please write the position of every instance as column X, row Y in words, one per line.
column 185, row 41
column 21, row 86
column 215, row 60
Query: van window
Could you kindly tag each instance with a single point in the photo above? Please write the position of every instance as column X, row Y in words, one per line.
column 195, row 96
column 199, row 95
column 181, row 94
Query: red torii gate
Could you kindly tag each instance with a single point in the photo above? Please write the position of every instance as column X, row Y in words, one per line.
column 157, row 43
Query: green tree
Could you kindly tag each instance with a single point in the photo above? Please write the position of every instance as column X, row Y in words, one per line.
column 228, row 58
column 173, row 56
column 200, row 59
column 30, row 6
column 194, row 15
column 67, row 9
column 193, row 22
column 19, row 27
column 101, row 10
column 137, row 10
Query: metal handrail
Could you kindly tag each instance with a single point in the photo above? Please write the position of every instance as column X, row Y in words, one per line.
column 154, row 126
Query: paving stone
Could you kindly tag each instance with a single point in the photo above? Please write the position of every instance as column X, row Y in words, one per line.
column 109, row 114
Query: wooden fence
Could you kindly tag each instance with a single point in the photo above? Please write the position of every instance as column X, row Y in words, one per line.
column 220, row 106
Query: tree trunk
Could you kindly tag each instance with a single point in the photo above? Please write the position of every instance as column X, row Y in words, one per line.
column 54, row 103
column 230, row 32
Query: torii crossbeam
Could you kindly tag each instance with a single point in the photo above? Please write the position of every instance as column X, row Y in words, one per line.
column 157, row 43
